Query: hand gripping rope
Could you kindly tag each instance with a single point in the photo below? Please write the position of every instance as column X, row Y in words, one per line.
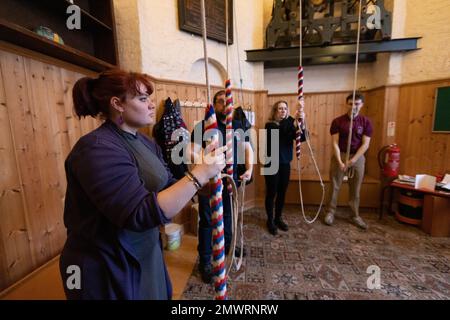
column 301, row 123
column 220, row 279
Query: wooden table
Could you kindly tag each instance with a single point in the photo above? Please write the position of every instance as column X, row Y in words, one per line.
column 436, row 209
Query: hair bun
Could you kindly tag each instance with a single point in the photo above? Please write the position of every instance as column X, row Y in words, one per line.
column 83, row 102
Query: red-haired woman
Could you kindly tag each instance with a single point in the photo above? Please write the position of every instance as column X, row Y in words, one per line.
column 119, row 191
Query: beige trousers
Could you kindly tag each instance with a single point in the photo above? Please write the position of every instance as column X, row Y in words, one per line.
column 336, row 178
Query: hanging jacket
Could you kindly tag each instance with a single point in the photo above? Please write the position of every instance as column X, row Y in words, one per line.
column 170, row 121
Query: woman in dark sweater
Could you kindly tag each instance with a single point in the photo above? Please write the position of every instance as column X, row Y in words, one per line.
column 119, row 191
column 277, row 183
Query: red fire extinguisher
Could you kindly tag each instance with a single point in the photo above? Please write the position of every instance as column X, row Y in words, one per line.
column 389, row 160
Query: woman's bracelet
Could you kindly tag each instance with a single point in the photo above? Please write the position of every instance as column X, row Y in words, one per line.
column 191, row 177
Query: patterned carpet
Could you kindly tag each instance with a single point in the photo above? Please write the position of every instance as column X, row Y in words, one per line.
column 320, row 262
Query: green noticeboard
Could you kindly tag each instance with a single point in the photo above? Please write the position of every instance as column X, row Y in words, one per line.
column 441, row 120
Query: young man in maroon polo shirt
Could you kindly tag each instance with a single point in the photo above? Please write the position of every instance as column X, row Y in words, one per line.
column 361, row 135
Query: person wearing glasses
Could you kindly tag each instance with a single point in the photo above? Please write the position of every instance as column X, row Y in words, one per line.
column 360, row 141
column 242, row 152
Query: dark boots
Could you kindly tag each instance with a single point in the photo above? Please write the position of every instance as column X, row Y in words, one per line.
column 281, row 224
column 271, row 227
column 273, row 224
column 206, row 272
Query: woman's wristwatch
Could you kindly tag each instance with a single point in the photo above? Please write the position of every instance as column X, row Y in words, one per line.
column 191, row 177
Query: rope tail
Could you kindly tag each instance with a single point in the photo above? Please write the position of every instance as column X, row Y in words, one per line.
column 301, row 124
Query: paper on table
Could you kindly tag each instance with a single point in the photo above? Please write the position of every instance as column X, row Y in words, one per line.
column 424, row 181
column 446, row 179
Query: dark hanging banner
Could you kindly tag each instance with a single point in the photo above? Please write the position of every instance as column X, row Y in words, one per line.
column 190, row 19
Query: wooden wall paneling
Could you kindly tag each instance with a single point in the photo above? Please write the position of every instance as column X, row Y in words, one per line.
column 251, row 188
column 415, row 134
column 433, row 146
column 56, row 89
column 430, row 144
column 23, row 130
column 421, row 150
column 310, row 109
column 15, row 253
column 56, row 94
column 172, row 91
column 68, row 80
column 188, row 93
column 248, row 101
column 47, row 162
column 374, row 108
column 392, row 96
column 59, row 151
column 236, row 98
column 320, row 137
column 201, row 97
column 196, row 113
column 160, row 97
column 402, row 128
column 331, row 102
column 415, row 126
column 262, row 109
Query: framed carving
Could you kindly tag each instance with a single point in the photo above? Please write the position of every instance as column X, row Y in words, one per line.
column 190, row 19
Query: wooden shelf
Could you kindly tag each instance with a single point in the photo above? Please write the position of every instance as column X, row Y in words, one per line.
column 23, row 37
column 93, row 46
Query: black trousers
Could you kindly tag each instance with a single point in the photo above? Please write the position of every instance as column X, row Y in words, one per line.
column 276, row 186
column 205, row 226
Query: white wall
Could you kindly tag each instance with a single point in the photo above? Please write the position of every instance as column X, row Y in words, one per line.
column 128, row 35
column 169, row 53
column 149, row 40
column 431, row 20
column 317, row 78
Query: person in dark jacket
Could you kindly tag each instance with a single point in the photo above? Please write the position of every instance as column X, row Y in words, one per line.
column 277, row 183
column 242, row 152
column 119, row 191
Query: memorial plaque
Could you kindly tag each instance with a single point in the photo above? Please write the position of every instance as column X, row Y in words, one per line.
column 190, row 18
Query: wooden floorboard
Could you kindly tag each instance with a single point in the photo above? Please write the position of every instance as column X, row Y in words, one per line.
column 45, row 283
